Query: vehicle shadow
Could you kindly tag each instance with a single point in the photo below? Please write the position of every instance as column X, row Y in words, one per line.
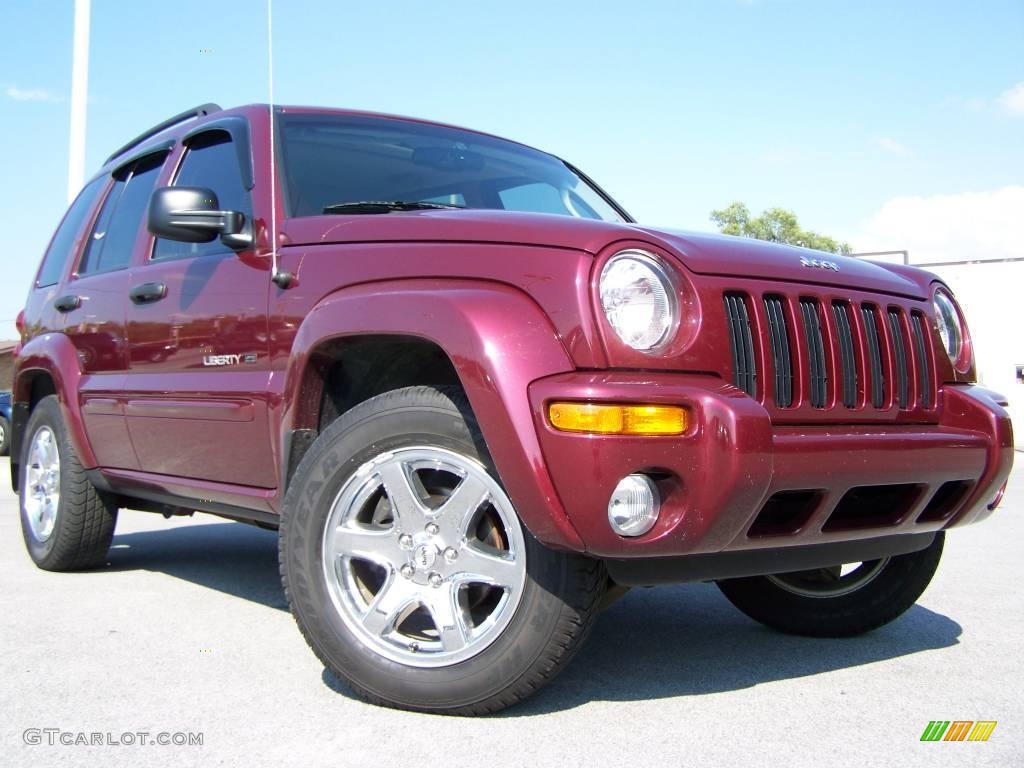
column 683, row 640
column 688, row 640
column 237, row 559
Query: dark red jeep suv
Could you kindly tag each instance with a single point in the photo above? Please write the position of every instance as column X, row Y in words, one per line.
column 479, row 400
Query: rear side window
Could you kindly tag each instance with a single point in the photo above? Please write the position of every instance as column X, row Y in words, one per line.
column 123, row 213
column 64, row 239
column 211, row 161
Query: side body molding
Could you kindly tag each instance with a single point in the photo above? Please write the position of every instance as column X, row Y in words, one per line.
column 498, row 340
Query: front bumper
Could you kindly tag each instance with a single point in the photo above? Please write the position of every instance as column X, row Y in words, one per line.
column 736, row 481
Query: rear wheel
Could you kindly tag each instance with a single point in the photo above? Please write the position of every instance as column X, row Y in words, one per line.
column 839, row 601
column 407, row 568
column 66, row 523
column 5, row 436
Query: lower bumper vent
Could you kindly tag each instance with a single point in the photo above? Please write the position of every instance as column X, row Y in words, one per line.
column 873, row 506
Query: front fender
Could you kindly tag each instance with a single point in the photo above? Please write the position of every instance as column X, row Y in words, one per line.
column 498, row 340
column 54, row 355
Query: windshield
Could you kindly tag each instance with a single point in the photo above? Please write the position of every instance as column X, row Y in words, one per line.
column 343, row 164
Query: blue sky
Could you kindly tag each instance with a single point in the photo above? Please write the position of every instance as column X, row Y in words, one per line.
column 837, row 110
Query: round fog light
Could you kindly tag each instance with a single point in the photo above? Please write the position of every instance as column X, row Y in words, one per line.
column 634, row 505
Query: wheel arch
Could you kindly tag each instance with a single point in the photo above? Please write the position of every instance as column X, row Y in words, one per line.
column 490, row 339
column 48, row 365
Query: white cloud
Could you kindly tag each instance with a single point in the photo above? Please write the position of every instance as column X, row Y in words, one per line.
column 967, row 226
column 891, row 145
column 1011, row 100
column 29, row 94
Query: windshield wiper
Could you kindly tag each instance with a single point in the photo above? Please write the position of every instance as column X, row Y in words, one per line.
column 386, row 206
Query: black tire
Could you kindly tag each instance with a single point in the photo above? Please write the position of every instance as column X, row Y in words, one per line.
column 5, row 436
column 560, row 598
column 886, row 595
column 85, row 518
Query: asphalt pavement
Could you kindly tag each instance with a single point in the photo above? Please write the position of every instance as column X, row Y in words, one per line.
column 186, row 632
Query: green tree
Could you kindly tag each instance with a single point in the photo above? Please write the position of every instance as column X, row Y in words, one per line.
column 776, row 225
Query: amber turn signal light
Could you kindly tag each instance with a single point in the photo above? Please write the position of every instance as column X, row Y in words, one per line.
column 615, row 419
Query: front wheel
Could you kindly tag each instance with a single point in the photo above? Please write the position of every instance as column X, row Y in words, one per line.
column 407, row 568
column 840, row 601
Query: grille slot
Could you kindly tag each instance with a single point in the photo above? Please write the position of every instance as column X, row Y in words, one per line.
column 816, row 352
column 741, row 341
column 924, row 377
column 844, row 331
column 782, row 360
column 899, row 351
column 873, row 339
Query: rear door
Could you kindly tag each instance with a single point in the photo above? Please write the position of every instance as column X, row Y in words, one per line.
column 197, row 338
column 93, row 306
column 41, row 313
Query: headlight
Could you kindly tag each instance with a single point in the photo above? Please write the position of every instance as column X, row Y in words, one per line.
column 950, row 326
column 638, row 299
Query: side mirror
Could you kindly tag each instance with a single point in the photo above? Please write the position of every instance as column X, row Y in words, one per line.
column 193, row 215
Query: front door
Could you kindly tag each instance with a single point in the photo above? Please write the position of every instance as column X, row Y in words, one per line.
column 197, row 343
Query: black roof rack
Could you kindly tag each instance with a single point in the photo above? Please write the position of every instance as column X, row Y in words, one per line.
column 200, row 111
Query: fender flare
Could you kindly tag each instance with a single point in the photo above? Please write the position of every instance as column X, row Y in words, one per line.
column 55, row 355
column 498, row 340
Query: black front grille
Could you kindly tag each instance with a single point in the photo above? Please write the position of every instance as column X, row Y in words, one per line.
column 847, row 356
column 816, row 352
column 924, row 378
column 873, row 343
column 831, row 352
column 782, row 360
column 741, row 341
column 900, row 354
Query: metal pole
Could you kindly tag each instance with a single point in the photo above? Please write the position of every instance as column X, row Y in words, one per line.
column 279, row 277
column 79, row 88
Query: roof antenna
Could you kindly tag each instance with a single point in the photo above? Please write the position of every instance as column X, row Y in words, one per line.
column 279, row 278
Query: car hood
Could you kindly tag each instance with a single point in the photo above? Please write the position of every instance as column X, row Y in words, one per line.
column 709, row 254
column 701, row 253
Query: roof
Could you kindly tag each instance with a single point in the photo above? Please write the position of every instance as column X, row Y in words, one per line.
column 178, row 125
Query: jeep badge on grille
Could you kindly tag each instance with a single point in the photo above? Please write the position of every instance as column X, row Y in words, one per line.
column 819, row 263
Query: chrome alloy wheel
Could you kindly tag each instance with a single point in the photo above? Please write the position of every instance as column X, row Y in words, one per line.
column 42, row 484
column 424, row 556
column 836, row 581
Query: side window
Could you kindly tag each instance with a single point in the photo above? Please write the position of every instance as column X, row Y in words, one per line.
column 64, row 238
column 94, row 246
column 123, row 213
column 211, row 161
